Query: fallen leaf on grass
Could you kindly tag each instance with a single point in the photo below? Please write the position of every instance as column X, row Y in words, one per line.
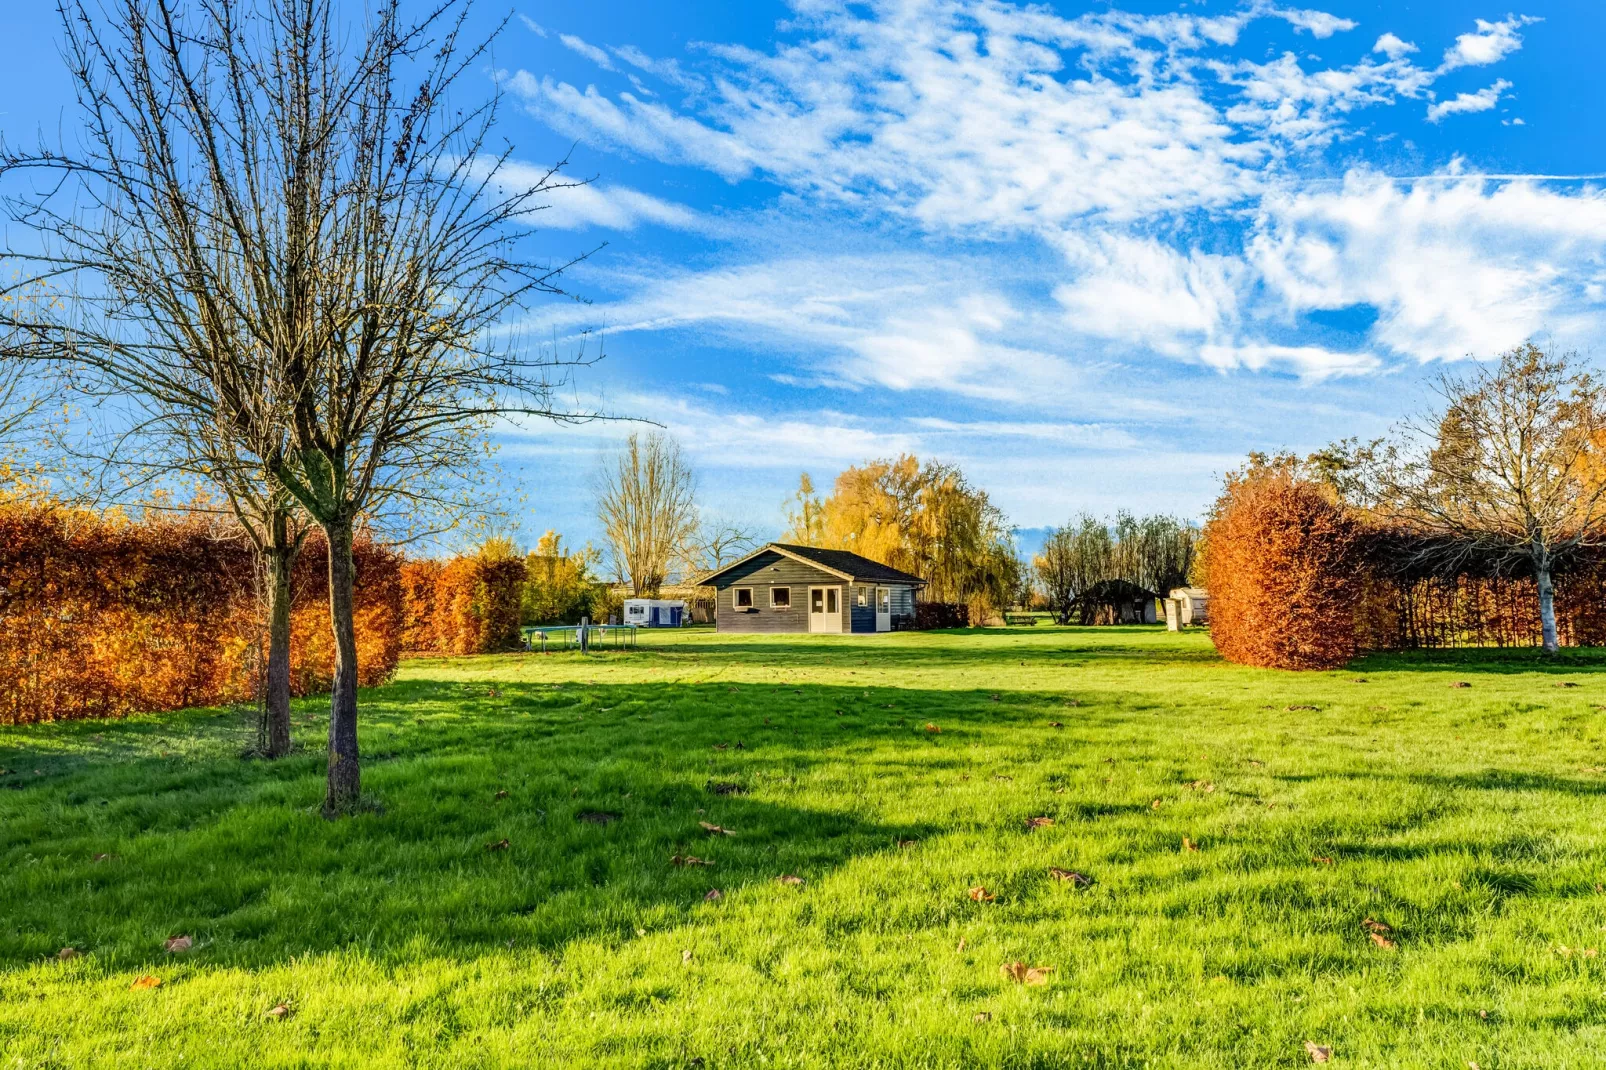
column 1001, row 776
column 178, row 944
column 685, row 956
column 1256, row 763
column 982, row 1017
column 981, row 895
column 1201, row 785
column 1567, row 683
column 906, row 844
column 1155, row 805
column 1055, row 724
column 596, row 817
column 279, row 1011
column 146, row 981
column 499, row 845
column 1318, row 1053
column 67, row 954
column 1070, row 876
column 792, row 879
column 1373, row 926
column 933, row 729
column 688, row 860
column 1323, row 860
column 959, row 946
column 1038, row 823
column 1460, row 683
column 1382, row 941
column 722, row 746
column 714, row 895
column 995, row 698
column 1189, row 845
column 1021, row 973
column 499, row 795
column 715, row 830
column 726, row 787
column 1303, row 707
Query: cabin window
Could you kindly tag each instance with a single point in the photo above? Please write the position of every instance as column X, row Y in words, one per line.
column 742, row 597
column 886, row 600
column 780, row 598
column 862, row 595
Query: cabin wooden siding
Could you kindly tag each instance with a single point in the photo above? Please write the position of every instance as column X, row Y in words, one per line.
column 776, row 570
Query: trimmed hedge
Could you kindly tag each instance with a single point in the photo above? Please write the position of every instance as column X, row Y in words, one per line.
column 468, row 605
column 1282, row 561
column 101, row 616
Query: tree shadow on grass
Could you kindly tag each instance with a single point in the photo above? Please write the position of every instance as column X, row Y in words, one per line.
column 524, row 813
column 1490, row 660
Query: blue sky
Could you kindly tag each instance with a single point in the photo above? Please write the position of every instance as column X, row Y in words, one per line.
column 1094, row 253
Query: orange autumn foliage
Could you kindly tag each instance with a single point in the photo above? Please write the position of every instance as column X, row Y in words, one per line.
column 101, row 616
column 1281, row 562
column 468, row 605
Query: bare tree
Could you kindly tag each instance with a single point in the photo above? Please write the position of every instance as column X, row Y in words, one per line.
column 294, row 261
column 1513, row 469
column 647, row 504
column 716, row 543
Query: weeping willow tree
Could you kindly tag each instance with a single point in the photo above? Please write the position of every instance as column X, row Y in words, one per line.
column 926, row 519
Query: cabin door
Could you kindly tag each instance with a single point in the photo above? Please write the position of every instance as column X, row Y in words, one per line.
column 883, row 609
column 825, row 609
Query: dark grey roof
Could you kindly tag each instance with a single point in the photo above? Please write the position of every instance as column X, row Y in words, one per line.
column 855, row 565
column 842, row 562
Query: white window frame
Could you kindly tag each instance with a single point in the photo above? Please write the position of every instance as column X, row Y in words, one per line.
column 736, row 602
column 862, row 597
column 774, row 604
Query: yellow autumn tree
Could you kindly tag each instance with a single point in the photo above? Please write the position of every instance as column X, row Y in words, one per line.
column 926, row 519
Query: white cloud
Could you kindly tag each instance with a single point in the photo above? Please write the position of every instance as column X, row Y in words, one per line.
column 1482, row 100
column 958, row 113
column 1458, row 268
column 1140, row 291
column 533, row 26
column 1320, row 24
column 901, row 323
column 1311, row 363
column 1394, row 47
column 1492, row 42
column 613, row 207
column 589, row 51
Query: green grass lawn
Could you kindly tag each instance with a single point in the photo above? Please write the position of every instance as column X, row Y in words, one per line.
column 1467, row 820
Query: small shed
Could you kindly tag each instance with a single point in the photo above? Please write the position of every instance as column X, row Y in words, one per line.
column 1118, row 602
column 655, row 612
column 781, row 587
column 1193, row 605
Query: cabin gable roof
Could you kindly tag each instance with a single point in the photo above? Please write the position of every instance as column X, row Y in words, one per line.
column 843, row 564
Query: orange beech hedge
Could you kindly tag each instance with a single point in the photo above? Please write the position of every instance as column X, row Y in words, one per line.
column 101, row 616
column 1282, row 561
column 1299, row 581
column 468, row 605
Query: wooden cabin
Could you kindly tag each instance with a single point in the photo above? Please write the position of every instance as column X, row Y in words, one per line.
column 781, row 588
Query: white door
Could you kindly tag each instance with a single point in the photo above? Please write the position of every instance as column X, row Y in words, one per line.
column 825, row 609
column 883, row 609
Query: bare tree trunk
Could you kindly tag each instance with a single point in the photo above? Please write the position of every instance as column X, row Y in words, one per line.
column 345, row 772
column 1547, row 604
column 277, row 684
